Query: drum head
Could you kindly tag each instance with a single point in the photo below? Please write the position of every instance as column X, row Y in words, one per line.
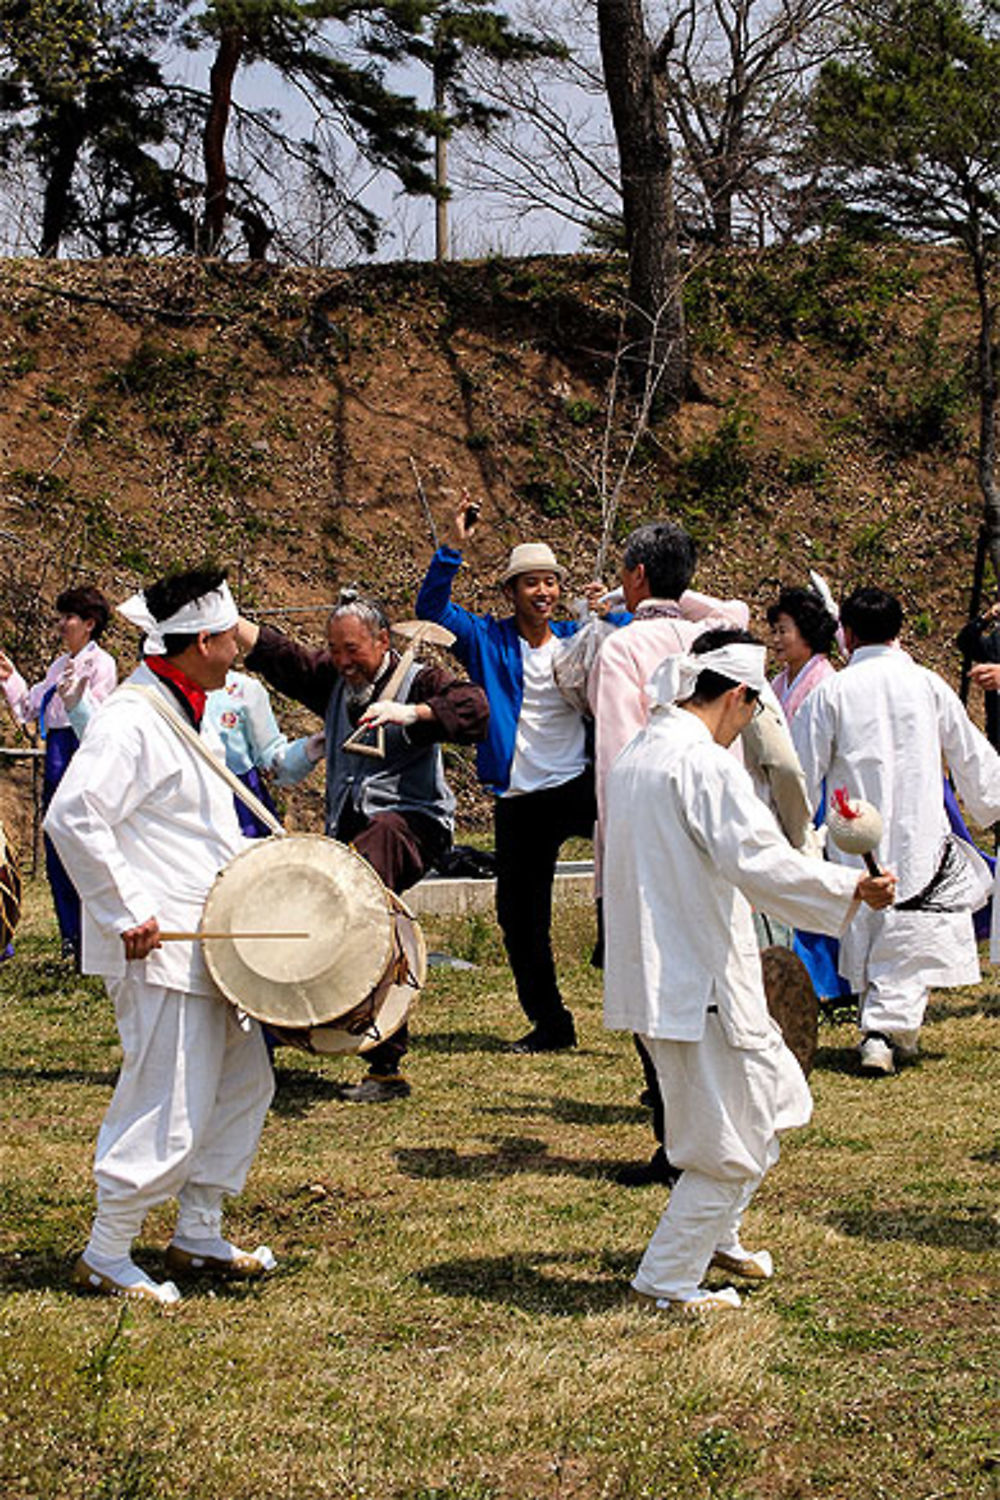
column 301, row 883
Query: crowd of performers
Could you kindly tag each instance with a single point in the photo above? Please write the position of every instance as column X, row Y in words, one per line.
column 701, row 782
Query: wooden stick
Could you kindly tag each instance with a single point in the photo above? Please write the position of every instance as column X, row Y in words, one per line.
column 188, row 937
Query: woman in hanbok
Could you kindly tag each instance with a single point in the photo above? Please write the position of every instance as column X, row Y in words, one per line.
column 802, row 635
column 74, row 684
column 803, row 631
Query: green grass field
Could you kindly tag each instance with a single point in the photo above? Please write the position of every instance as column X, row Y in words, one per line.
column 450, row 1319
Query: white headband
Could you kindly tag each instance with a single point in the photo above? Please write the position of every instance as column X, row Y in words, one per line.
column 213, row 612
column 675, row 678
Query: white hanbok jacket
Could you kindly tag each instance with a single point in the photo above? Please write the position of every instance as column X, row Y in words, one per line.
column 143, row 826
column 689, row 847
column 880, row 728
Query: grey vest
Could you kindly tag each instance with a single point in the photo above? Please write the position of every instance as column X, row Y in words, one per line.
column 409, row 779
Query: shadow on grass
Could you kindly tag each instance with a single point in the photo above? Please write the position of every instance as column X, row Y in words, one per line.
column 983, row 1005
column 459, row 1041
column 975, row 1232
column 513, row 1156
column 845, row 1060
column 836, row 1060
column 534, row 1284
column 297, row 1090
column 59, row 1075
column 570, row 1111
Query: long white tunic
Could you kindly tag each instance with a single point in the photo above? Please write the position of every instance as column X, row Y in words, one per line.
column 143, row 827
column 689, row 846
column 880, row 729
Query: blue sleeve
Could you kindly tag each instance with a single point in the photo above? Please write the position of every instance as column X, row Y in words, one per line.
column 434, row 602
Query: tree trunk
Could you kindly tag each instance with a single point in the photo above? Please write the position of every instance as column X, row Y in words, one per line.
column 66, row 132
column 988, row 401
column 635, row 78
column 227, row 60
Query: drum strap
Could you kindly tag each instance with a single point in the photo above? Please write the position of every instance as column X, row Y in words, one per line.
column 166, row 711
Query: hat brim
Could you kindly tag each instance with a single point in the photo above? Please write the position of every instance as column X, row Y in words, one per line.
column 556, row 568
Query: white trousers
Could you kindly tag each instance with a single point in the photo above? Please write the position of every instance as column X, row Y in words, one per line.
column 894, row 1003
column 892, row 959
column 185, row 1116
column 725, row 1107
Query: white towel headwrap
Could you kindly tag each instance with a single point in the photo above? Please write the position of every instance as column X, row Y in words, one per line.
column 674, row 679
column 215, row 611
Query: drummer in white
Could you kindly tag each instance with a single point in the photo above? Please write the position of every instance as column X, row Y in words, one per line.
column 144, row 826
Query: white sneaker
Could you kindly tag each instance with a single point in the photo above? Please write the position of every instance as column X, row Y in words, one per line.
column 876, row 1054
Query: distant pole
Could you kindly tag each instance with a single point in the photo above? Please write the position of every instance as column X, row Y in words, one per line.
column 441, row 250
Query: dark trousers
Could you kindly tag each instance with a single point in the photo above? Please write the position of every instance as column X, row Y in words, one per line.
column 400, row 847
column 60, row 747
column 652, row 1088
column 529, row 832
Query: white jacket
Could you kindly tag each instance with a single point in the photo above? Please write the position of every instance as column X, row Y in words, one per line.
column 143, row 826
column 880, row 729
column 689, row 846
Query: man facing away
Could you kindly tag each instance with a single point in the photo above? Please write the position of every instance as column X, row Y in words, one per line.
column 143, row 826
column 658, row 565
column 880, row 728
column 689, row 846
column 397, row 811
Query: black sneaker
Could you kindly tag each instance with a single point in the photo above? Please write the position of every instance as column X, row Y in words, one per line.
column 658, row 1170
column 546, row 1039
column 373, row 1090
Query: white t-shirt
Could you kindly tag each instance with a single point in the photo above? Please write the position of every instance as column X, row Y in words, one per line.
column 549, row 745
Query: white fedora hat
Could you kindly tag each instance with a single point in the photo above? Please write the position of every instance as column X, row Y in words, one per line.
column 532, row 557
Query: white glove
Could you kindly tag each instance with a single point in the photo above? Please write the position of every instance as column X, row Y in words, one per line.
column 388, row 711
column 316, row 746
column 71, row 687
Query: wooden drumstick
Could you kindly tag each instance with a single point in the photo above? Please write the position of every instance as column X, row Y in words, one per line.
column 189, row 937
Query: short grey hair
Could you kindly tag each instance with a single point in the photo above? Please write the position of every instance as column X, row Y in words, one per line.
column 362, row 607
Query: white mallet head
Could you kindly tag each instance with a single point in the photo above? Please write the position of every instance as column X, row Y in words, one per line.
column 855, row 826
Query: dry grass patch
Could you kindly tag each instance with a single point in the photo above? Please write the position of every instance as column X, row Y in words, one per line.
column 449, row 1320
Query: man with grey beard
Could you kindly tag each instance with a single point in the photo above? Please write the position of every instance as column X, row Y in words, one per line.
column 397, row 811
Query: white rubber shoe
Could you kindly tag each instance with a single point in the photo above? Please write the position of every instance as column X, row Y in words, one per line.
column 876, row 1055
column 122, row 1278
column 726, row 1299
column 752, row 1265
column 217, row 1257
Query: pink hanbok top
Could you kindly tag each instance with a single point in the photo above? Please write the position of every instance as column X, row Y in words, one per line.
column 791, row 694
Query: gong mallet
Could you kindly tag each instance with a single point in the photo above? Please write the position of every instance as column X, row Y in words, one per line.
column 855, row 827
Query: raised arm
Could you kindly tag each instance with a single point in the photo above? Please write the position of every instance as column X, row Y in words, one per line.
column 307, row 676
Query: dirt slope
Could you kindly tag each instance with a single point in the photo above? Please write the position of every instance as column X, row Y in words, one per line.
column 158, row 412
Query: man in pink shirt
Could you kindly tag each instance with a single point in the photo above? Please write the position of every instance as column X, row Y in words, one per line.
column 657, row 569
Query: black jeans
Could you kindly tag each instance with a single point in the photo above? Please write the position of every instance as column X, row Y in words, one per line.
column 529, row 832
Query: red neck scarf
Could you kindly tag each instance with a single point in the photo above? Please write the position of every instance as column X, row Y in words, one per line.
column 189, row 691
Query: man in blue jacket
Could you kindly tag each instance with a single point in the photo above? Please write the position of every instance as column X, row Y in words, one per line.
column 535, row 758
